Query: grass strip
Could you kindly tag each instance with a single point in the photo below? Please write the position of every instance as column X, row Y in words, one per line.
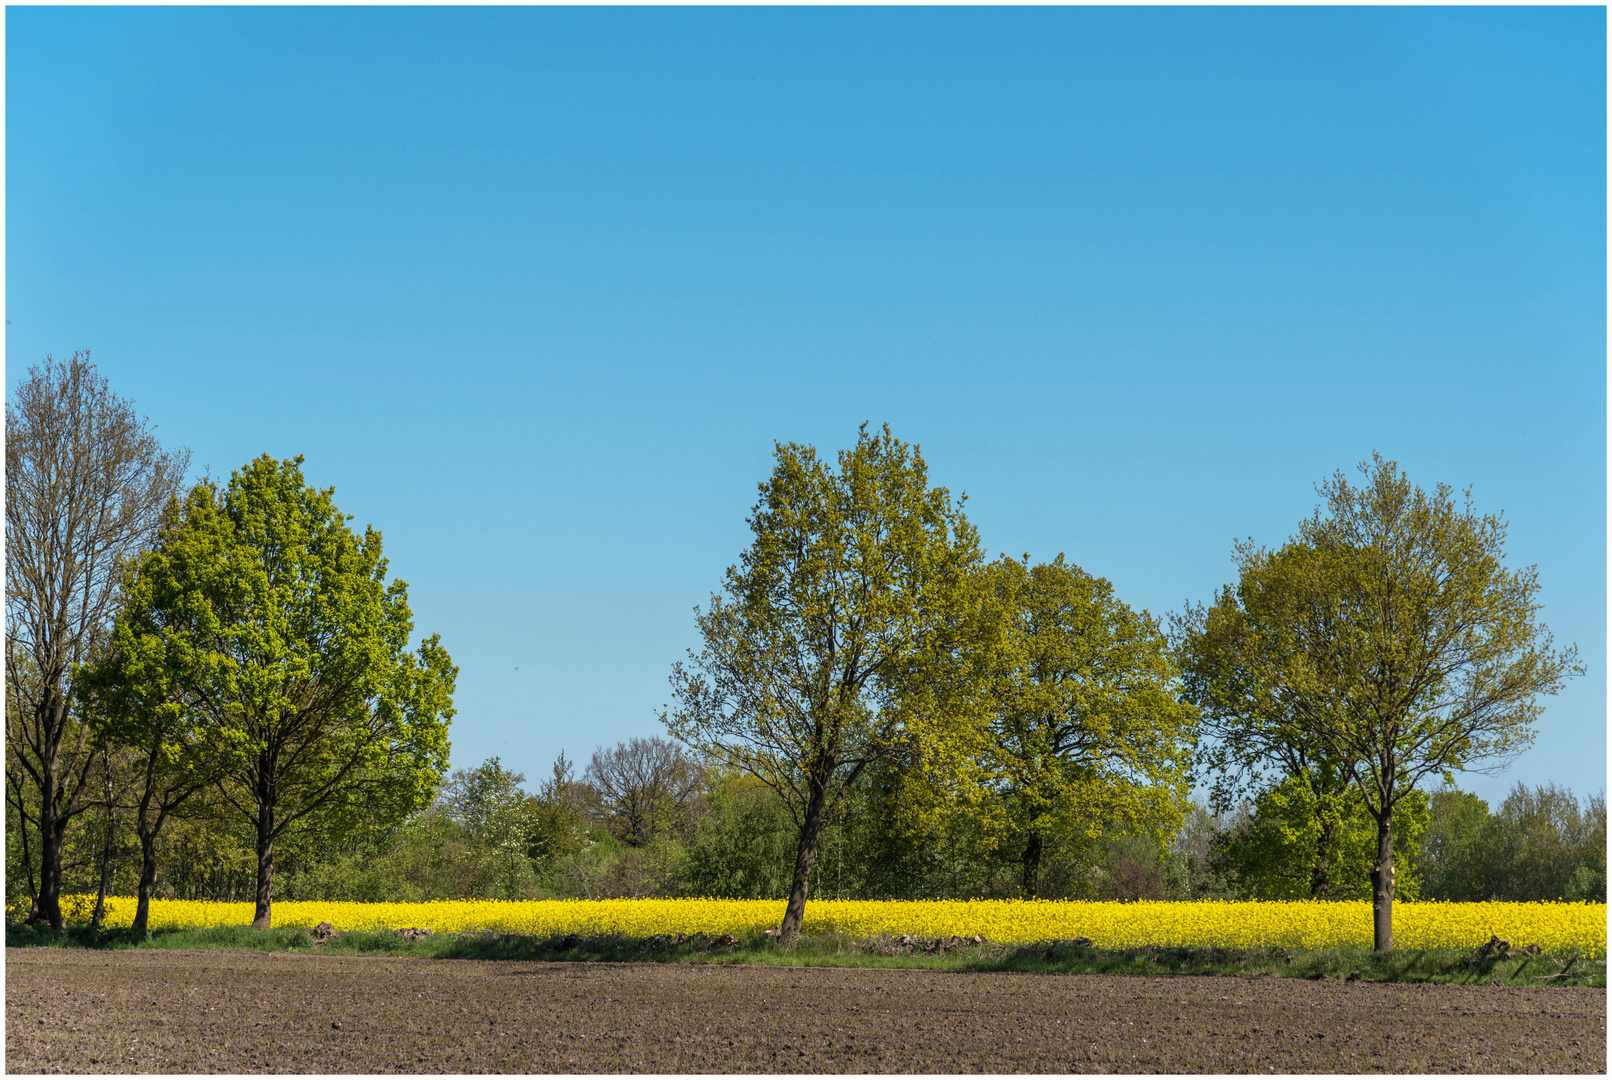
column 1462, row 966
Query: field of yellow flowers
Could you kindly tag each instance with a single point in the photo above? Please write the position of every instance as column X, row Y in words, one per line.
column 1558, row 928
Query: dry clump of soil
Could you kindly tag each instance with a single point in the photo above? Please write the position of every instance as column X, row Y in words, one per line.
column 909, row 945
column 69, row 1010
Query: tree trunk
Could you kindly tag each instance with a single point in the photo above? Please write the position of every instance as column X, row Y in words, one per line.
column 265, row 866
column 1030, row 867
column 106, row 848
column 1382, row 885
column 1320, row 872
column 106, row 879
column 27, row 854
column 148, row 878
column 806, row 854
column 50, row 852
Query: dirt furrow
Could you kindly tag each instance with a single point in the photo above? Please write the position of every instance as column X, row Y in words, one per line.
column 177, row 1011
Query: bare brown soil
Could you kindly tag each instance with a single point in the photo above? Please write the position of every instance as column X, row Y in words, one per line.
column 70, row 1010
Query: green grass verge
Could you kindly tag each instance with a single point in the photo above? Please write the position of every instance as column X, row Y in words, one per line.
column 1343, row 964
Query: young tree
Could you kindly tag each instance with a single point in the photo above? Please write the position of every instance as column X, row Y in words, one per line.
column 266, row 626
column 811, row 660
column 137, row 702
column 86, row 486
column 560, row 826
column 474, row 797
column 502, row 822
column 644, row 788
column 1089, row 731
column 1390, row 635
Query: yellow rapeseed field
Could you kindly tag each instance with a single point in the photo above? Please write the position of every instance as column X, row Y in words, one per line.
column 1558, row 928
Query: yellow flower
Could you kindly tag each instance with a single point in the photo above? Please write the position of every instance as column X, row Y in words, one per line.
column 1558, row 928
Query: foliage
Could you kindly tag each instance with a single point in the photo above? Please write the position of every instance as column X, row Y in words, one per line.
column 1189, row 869
column 608, row 869
column 558, row 818
column 1542, row 845
column 427, row 857
column 262, row 620
column 1389, row 637
column 1453, row 862
column 501, row 823
column 744, row 844
column 821, row 655
column 1271, row 854
column 1088, row 732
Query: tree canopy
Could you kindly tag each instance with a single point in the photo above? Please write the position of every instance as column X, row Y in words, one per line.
column 1388, row 639
column 265, row 622
column 1088, row 729
column 814, row 655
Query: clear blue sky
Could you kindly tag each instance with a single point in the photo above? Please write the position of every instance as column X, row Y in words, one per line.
column 535, row 290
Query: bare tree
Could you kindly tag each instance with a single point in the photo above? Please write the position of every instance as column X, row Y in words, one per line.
column 644, row 787
column 86, row 486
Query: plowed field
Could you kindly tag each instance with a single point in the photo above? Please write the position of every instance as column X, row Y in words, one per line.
column 177, row 1011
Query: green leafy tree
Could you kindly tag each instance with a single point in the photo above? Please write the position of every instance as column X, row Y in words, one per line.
column 1089, row 733
column 501, row 821
column 821, row 655
column 1453, row 862
column 1537, row 842
column 1589, row 879
column 1273, row 852
column 744, row 845
column 1190, row 872
column 267, row 626
column 476, row 797
column 1253, row 747
column 559, row 822
column 1390, row 637
column 136, row 701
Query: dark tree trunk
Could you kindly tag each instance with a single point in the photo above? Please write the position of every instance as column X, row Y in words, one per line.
column 105, row 883
column 1030, row 867
column 265, row 865
column 147, row 830
column 148, row 878
column 1382, row 885
column 50, row 849
column 805, row 855
column 27, row 854
column 106, row 879
column 1320, row 883
column 60, row 800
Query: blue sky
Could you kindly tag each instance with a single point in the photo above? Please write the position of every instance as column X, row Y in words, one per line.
column 535, row 290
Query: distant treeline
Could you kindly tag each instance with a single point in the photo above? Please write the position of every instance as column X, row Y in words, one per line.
column 645, row 820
